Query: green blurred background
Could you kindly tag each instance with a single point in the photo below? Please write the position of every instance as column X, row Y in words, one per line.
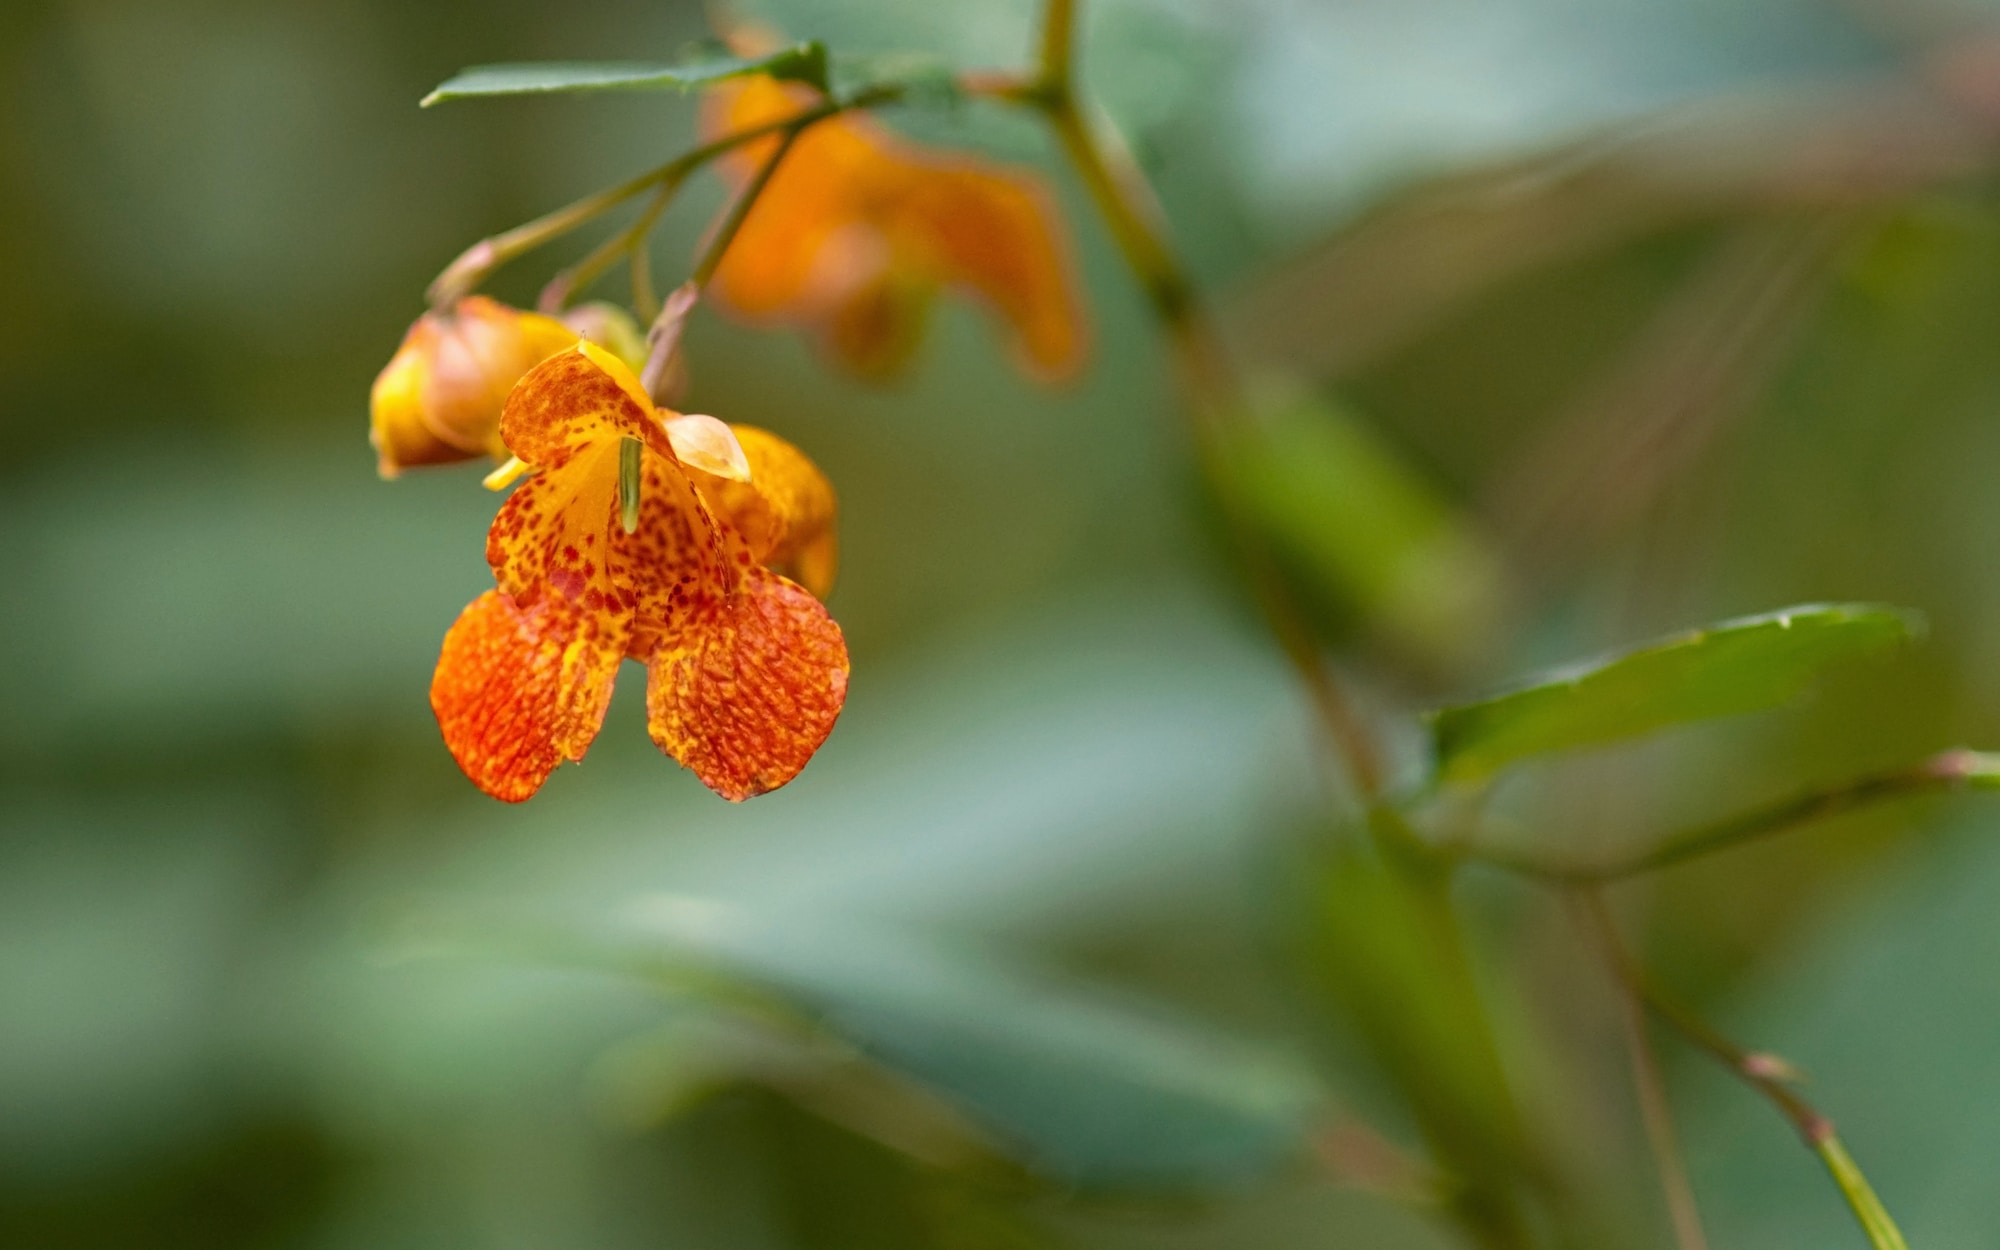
column 1590, row 321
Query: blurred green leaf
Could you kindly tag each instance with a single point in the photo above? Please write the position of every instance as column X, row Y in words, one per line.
column 802, row 62
column 1421, row 257
column 1088, row 1091
column 1365, row 530
column 1737, row 666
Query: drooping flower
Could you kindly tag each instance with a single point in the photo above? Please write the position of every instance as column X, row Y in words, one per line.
column 746, row 672
column 859, row 229
column 438, row 400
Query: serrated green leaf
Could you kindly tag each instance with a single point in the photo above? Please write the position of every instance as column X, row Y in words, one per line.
column 1737, row 666
column 804, row 62
column 1076, row 1086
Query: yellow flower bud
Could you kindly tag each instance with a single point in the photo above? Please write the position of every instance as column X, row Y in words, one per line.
column 439, row 398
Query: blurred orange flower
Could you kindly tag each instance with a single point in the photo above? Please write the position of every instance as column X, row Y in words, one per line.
column 858, row 230
column 747, row 673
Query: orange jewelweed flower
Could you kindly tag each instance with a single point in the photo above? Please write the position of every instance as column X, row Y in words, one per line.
column 858, row 230
column 746, row 672
column 439, row 398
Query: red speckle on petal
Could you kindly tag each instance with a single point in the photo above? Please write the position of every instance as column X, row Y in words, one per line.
column 750, row 689
column 514, row 698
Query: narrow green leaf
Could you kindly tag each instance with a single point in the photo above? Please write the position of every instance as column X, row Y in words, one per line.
column 804, row 62
column 1076, row 1086
column 1737, row 666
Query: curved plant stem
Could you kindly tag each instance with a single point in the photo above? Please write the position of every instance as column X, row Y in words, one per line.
column 726, row 230
column 571, row 282
column 1482, row 1202
column 1132, row 216
column 464, row 274
column 1949, row 770
column 1058, row 41
column 1678, row 1191
column 1767, row 1074
column 472, row 266
column 639, row 259
column 663, row 336
column 1650, row 1089
column 1882, row 1231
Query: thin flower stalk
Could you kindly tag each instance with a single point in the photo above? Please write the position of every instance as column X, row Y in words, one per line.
column 477, row 262
column 1767, row 1074
column 1948, row 771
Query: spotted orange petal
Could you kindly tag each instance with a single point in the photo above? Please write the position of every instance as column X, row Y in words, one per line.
column 678, row 563
column 749, row 686
column 785, row 510
column 574, row 399
column 518, row 690
column 556, row 532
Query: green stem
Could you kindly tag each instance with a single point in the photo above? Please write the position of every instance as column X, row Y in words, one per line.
column 739, row 211
column 1058, row 41
column 1483, row 1204
column 645, row 302
column 571, row 282
column 1882, row 1231
column 1133, row 218
column 663, row 336
column 1131, row 215
column 472, row 267
column 1655, row 1113
column 1765, row 1073
column 464, row 274
column 1950, row 770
